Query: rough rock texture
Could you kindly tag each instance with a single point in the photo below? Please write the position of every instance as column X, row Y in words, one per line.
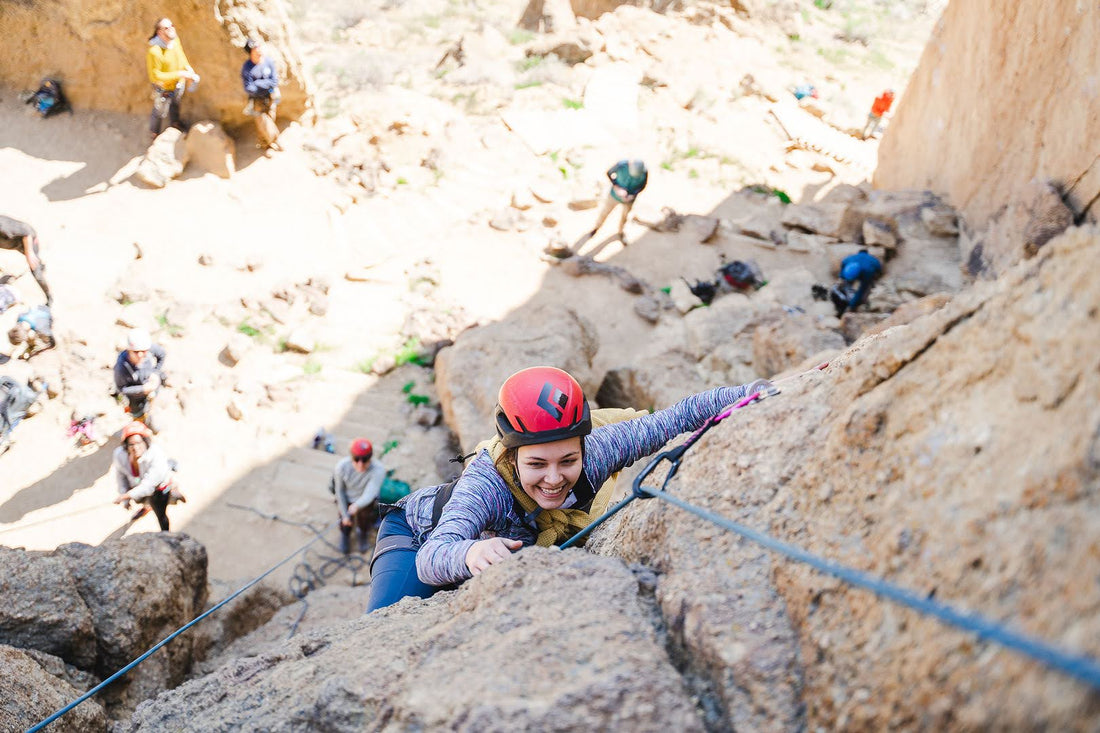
column 547, row 641
column 983, row 150
column 957, row 456
column 790, row 340
column 139, row 589
column 98, row 51
column 42, row 608
column 35, row 686
column 164, row 160
column 469, row 374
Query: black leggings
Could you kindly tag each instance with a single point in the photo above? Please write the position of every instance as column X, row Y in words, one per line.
column 159, row 502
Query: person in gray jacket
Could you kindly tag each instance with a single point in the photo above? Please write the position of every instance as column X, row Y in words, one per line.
column 144, row 474
column 357, row 482
column 139, row 374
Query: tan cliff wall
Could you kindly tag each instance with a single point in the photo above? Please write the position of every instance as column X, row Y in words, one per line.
column 98, row 49
column 1006, row 98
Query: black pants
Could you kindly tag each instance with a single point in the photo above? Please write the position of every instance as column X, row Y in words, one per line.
column 156, row 121
column 159, row 503
column 363, row 519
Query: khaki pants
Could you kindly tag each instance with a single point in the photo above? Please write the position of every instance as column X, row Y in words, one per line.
column 264, row 112
column 608, row 205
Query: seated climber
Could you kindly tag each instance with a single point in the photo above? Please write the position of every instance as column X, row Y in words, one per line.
column 549, row 473
column 357, row 481
column 32, row 332
column 628, row 179
column 863, row 268
column 145, row 474
column 17, row 401
column 139, row 374
column 16, row 235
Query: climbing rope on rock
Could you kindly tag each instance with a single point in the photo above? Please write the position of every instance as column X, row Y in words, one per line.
column 87, row 695
column 1074, row 664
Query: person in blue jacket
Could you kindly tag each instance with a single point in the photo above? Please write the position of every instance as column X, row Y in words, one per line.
column 261, row 84
column 628, row 179
column 862, row 268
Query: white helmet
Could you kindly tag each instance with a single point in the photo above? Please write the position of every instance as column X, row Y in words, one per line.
column 139, row 340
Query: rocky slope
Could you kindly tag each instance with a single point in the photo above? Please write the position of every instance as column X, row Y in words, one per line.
column 994, row 154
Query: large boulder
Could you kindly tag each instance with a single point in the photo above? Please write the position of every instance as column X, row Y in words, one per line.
column 98, row 51
column 984, row 151
column 164, row 160
column 37, row 684
column 138, row 590
column 43, row 609
column 469, row 373
column 548, row 640
column 955, row 454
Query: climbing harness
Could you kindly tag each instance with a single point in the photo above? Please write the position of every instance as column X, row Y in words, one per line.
column 1078, row 666
column 87, row 695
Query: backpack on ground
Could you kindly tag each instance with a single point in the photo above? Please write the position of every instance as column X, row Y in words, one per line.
column 742, row 275
column 49, row 99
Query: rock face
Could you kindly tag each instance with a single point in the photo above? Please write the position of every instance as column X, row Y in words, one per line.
column 547, row 641
column 469, row 374
column 97, row 608
column 98, row 52
column 36, row 684
column 981, row 150
column 955, row 455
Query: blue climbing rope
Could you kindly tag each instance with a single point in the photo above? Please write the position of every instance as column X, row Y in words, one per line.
column 1083, row 668
column 87, row 695
column 1079, row 666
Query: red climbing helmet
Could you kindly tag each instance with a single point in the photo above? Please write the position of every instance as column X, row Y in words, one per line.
column 361, row 448
column 541, row 405
column 136, row 427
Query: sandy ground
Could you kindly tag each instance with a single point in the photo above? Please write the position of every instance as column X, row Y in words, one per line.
column 68, row 176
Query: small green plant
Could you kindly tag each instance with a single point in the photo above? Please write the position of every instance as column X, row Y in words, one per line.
column 365, row 366
column 409, row 353
column 572, row 103
column 666, row 165
column 432, row 21
column 528, row 63
column 248, row 329
column 402, row 181
column 388, row 446
column 280, row 345
column 527, row 84
column 172, row 329
column 693, row 173
column 518, row 36
column 311, row 367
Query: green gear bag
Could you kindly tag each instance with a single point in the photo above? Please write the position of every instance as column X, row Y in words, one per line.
column 393, row 490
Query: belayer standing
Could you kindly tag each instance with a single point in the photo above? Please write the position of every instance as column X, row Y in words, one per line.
column 549, row 473
column 628, row 179
column 139, row 374
column 261, row 84
column 145, row 474
column 18, row 235
column 169, row 71
column 357, row 481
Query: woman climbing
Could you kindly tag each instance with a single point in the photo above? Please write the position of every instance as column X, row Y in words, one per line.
column 145, row 474
column 549, row 473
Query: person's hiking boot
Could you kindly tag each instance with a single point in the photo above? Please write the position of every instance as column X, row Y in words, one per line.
column 345, row 541
column 364, row 541
column 141, row 512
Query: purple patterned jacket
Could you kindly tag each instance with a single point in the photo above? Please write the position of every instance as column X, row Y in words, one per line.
column 481, row 501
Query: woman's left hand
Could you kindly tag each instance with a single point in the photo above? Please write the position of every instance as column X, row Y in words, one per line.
column 123, row 498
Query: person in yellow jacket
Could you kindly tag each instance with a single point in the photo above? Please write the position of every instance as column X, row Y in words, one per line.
column 169, row 71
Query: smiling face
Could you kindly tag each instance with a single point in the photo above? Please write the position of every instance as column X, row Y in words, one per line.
column 166, row 30
column 548, row 471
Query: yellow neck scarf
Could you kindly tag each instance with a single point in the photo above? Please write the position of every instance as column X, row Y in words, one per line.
column 557, row 525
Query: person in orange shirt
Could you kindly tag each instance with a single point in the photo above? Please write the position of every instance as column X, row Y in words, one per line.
column 879, row 107
column 169, row 71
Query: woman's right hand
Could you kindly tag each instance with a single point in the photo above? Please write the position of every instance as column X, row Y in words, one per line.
column 484, row 553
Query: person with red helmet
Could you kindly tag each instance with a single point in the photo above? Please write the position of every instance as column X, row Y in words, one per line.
column 357, row 481
column 879, row 108
column 145, row 474
column 549, row 473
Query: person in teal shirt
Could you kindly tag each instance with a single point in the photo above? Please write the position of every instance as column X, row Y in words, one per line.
column 628, row 179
